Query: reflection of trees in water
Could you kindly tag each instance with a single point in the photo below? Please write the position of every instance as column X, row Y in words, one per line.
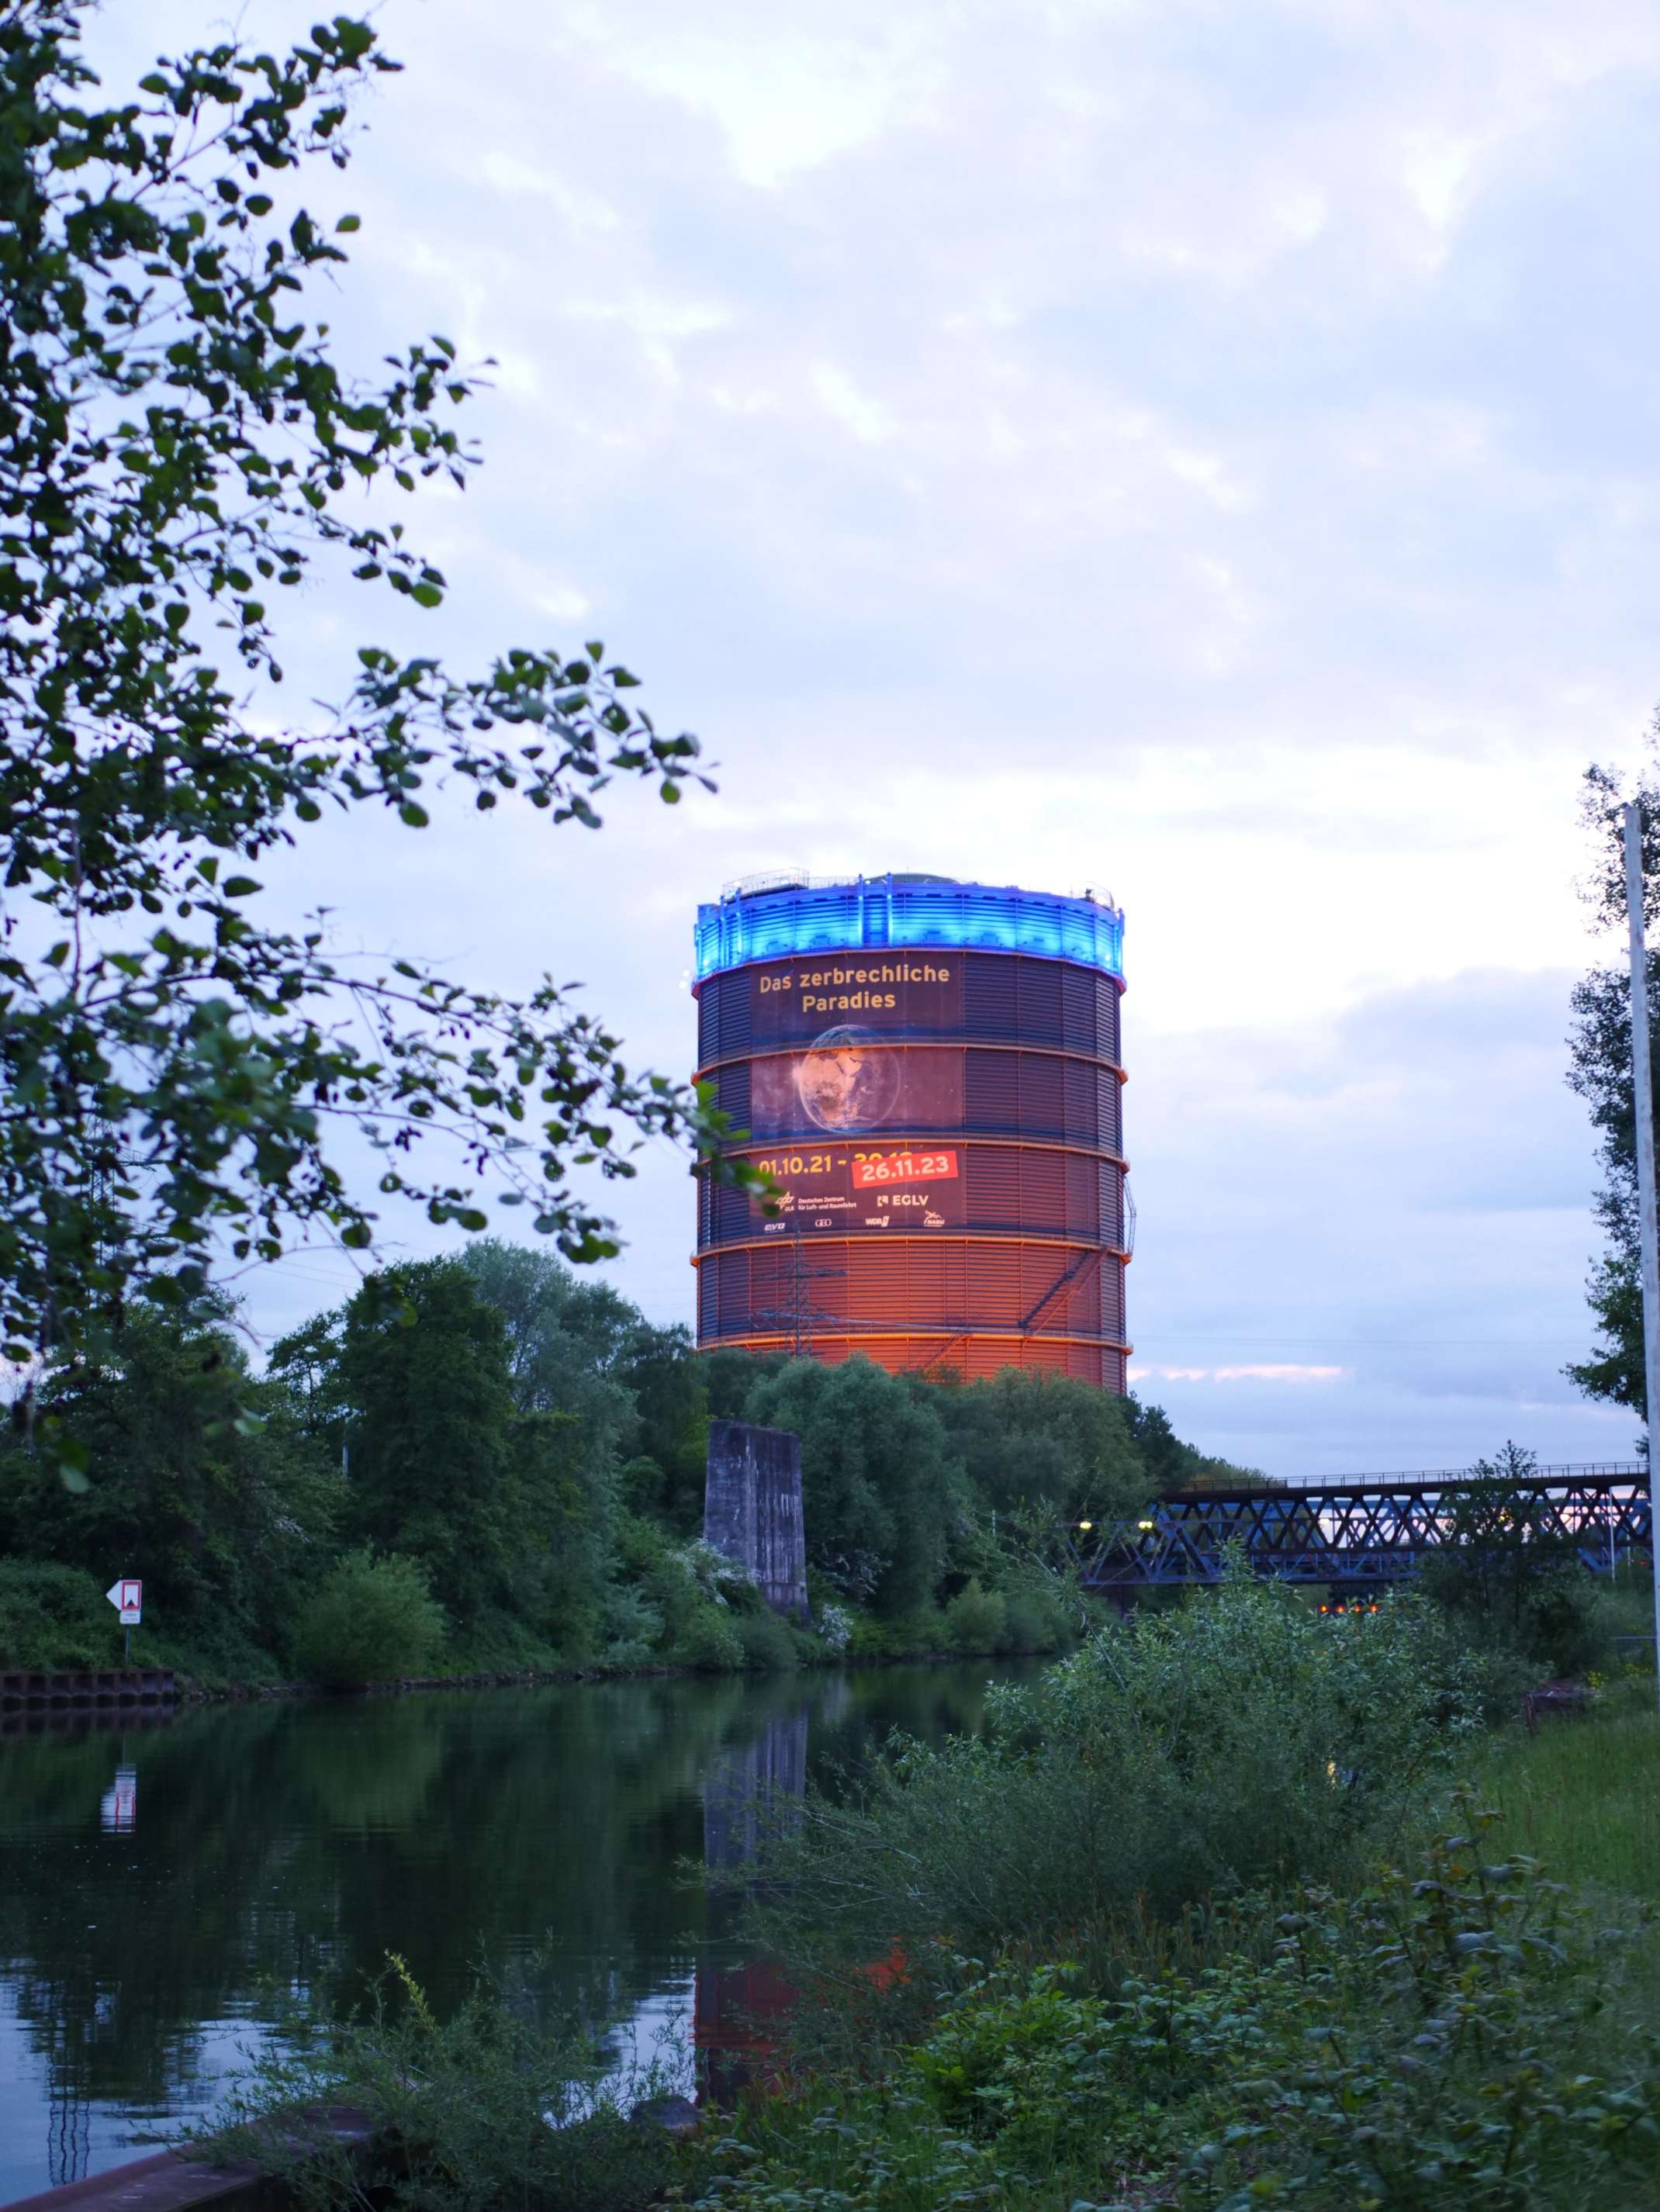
column 283, row 1848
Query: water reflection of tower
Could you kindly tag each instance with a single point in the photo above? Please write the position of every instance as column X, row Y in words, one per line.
column 736, row 2007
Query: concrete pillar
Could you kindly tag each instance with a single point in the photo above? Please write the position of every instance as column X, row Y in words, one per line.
column 753, row 1509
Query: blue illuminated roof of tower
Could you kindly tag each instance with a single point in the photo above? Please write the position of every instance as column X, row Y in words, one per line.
column 770, row 917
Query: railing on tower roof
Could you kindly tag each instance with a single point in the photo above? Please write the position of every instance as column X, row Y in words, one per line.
column 772, row 917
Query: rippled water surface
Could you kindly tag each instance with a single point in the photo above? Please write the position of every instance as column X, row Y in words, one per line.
column 158, row 1887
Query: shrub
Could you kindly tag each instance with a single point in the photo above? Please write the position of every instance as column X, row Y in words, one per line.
column 834, row 1626
column 370, row 1620
column 917, row 1635
column 765, row 1640
column 1435, row 2038
column 976, row 1619
column 1031, row 1626
column 709, row 1639
column 1228, row 1745
column 54, row 1616
column 633, row 1627
column 483, row 2110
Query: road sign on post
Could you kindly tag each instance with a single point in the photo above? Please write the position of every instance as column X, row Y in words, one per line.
column 127, row 1596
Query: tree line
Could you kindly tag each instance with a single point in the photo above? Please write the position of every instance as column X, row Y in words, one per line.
column 489, row 1462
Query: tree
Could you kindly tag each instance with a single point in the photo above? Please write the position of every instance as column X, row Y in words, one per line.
column 568, row 1349
column 1506, row 1572
column 565, row 1339
column 422, row 1382
column 730, row 1374
column 665, row 1378
column 207, row 1483
column 1172, row 1465
column 881, row 1495
column 1048, row 1441
column 1599, row 1047
column 182, row 452
column 480, row 1444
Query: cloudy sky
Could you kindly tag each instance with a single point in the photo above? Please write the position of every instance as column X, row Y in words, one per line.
column 1203, row 450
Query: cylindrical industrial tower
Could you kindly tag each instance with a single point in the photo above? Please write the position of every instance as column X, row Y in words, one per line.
column 932, row 1072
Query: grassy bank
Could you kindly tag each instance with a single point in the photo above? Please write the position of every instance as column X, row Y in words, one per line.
column 1584, row 1795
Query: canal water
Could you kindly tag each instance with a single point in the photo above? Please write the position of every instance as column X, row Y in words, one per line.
column 164, row 1892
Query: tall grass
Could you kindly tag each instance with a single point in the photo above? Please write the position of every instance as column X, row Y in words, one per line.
column 1584, row 1795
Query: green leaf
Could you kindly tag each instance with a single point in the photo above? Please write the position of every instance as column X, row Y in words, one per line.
column 413, row 814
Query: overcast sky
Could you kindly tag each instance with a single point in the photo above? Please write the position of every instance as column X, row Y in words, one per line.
column 1203, row 451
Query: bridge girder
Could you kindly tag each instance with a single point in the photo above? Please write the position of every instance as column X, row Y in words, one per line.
column 1361, row 1531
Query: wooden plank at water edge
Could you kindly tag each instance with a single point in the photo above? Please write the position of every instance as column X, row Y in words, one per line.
column 167, row 2183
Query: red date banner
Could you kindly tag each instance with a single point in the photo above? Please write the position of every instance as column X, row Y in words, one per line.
column 877, row 1170
column 901, row 1188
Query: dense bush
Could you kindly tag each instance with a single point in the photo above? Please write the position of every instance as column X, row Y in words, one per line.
column 54, row 1617
column 1430, row 2041
column 767, row 1646
column 919, row 1634
column 1032, row 1625
column 976, row 1619
column 1236, row 1742
column 371, row 1620
column 709, row 1639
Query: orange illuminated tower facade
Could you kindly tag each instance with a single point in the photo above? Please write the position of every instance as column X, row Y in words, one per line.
column 931, row 1072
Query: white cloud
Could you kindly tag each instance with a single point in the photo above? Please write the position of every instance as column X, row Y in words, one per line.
column 853, row 409
column 1282, row 1370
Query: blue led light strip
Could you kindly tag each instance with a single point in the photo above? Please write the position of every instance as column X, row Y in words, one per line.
column 887, row 910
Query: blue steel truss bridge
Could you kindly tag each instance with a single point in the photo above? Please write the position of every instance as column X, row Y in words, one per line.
column 1358, row 1533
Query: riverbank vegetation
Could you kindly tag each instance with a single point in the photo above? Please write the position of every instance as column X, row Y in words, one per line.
column 1237, row 1906
column 490, row 1463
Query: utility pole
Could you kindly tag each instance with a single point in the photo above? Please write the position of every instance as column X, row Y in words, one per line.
column 1648, row 1226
